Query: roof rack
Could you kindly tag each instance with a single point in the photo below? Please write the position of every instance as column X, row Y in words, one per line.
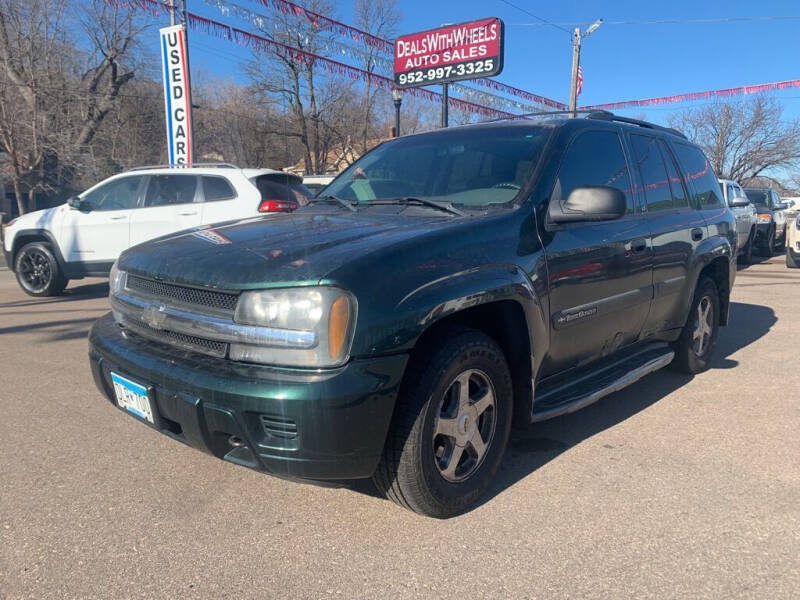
column 542, row 113
column 607, row 116
column 222, row 165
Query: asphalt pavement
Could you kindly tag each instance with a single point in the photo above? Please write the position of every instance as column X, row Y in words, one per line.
column 675, row 487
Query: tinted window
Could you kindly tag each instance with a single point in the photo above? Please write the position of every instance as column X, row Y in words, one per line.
column 120, row 194
column 468, row 167
column 731, row 192
column 289, row 190
column 594, row 158
column 757, row 197
column 165, row 190
column 680, row 199
column 653, row 173
column 698, row 170
column 217, row 188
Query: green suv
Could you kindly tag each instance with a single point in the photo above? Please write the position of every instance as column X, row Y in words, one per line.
column 448, row 285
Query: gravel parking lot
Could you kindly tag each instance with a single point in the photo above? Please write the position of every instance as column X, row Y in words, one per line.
column 674, row 487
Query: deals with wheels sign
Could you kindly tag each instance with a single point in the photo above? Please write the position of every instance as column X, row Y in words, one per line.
column 464, row 51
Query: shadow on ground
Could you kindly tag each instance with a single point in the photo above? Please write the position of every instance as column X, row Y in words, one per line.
column 542, row 442
column 87, row 291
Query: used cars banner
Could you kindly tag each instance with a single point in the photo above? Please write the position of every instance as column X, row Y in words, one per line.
column 464, row 51
column 176, row 95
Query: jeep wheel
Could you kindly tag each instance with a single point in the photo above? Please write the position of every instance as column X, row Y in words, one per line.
column 450, row 426
column 37, row 271
column 694, row 348
column 792, row 259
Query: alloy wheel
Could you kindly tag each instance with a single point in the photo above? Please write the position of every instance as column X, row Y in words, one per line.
column 465, row 425
column 703, row 326
column 34, row 269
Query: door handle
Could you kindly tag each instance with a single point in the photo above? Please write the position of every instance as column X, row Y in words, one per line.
column 639, row 246
column 188, row 213
column 697, row 234
column 119, row 218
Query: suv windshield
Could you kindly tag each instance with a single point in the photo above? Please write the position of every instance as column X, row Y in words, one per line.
column 758, row 197
column 470, row 167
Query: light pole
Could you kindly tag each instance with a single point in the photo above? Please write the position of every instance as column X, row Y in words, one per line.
column 397, row 99
column 577, row 36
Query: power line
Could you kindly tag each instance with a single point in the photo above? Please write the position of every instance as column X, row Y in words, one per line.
column 540, row 19
column 669, row 21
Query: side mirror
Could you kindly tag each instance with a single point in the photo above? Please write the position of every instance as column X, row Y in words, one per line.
column 589, row 203
column 739, row 202
column 781, row 206
column 81, row 205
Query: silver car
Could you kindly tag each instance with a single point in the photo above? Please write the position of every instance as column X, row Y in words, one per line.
column 746, row 217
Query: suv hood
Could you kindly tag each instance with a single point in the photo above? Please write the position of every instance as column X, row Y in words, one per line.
column 39, row 219
column 295, row 248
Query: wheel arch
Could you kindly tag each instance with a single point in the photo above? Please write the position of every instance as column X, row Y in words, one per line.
column 27, row 236
column 501, row 303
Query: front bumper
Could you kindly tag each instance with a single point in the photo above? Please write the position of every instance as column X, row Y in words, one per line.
column 294, row 423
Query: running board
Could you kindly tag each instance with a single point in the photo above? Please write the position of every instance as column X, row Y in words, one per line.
column 587, row 390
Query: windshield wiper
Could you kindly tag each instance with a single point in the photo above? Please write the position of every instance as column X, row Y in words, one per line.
column 443, row 206
column 346, row 203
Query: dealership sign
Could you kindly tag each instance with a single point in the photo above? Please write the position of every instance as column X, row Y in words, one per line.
column 464, row 51
column 177, row 99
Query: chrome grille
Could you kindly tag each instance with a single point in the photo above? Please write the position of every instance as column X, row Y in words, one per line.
column 180, row 340
column 225, row 301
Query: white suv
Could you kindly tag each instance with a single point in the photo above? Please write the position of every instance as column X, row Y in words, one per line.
column 85, row 236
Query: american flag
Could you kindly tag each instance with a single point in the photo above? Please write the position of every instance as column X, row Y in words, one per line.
column 580, row 80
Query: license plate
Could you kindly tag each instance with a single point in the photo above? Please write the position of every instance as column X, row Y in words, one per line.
column 132, row 397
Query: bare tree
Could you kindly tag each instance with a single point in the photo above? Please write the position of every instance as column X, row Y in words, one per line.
column 743, row 140
column 56, row 91
column 381, row 19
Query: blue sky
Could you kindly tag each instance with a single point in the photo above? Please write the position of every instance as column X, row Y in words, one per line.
column 620, row 62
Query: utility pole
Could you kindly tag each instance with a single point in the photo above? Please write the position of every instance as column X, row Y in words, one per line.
column 577, row 36
column 576, row 61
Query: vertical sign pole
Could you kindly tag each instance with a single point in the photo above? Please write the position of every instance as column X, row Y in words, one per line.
column 576, row 60
column 188, row 79
column 172, row 13
column 445, row 103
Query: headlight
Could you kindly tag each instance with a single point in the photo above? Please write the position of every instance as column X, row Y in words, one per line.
column 304, row 327
column 116, row 280
column 764, row 218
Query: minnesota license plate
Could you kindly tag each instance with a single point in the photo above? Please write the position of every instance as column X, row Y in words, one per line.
column 132, row 397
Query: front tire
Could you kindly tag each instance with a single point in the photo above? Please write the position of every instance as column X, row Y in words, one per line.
column 450, row 427
column 791, row 261
column 695, row 347
column 780, row 245
column 769, row 243
column 37, row 270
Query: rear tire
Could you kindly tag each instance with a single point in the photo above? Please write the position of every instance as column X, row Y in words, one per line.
column 450, row 426
column 37, row 270
column 693, row 350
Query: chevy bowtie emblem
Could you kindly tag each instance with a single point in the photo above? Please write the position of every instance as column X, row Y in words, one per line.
column 154, row 315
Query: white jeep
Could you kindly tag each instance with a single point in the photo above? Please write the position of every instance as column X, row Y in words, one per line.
column 84, row 237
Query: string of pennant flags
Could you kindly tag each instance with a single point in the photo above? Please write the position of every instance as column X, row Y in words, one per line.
column 379, row 62
column 481, row 103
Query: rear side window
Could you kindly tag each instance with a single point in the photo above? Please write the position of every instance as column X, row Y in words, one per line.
column 166, row 190
column 680, row 199
column 217, row 188
column 707, row 193
column 283, row 187
column 594, row 158
column 653, row 173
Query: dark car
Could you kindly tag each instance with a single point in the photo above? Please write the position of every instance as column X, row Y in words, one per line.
column 448, row 284
column 771, row 220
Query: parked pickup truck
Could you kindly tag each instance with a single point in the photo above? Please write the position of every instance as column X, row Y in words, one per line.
column 746, row 217
column 447, row 284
